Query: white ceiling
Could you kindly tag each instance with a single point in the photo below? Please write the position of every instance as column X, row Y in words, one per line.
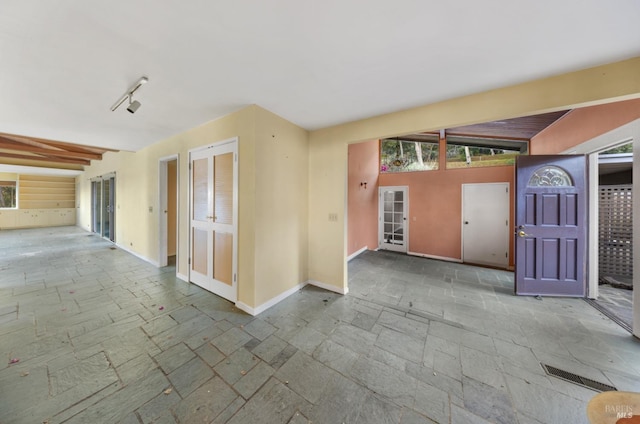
column 316, row 63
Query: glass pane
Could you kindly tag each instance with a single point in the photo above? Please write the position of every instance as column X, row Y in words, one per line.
column 7, row 194
column 223, row 188
column 97, row 214
column 550, row 176
column 399, row 196
column 200, row 202
column 388, row 196
column 407, row 155
column 106, row 186
column 222, row 257
column 475, row 156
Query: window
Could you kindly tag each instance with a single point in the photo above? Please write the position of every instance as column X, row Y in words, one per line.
column 550, row 176
column 8, row 194
column 463, row 152
column 398, row 155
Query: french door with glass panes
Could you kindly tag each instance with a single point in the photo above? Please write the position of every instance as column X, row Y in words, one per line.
column 393, row 230
column 103, row 195
column 214, row 218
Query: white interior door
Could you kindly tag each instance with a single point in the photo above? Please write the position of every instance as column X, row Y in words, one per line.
column 393, row 230
column 485, row 224
column 214, row 219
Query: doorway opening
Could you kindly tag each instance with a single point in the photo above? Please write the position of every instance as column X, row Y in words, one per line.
column 168, row 207
column 103, row 195
column 615, row 234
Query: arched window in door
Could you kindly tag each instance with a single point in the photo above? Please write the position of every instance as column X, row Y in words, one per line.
column 550, row 176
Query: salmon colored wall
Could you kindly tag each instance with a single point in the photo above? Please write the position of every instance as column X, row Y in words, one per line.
column 435, row 206
column 583, row 124
column 362, row 203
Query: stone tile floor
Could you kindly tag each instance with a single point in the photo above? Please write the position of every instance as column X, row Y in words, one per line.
column 100, row 336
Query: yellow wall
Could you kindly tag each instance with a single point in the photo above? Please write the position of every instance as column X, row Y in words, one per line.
column 281, row 239
column 272, row 154
column 328, row 147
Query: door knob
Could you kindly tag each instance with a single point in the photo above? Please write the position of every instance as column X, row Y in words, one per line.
column 522, row 234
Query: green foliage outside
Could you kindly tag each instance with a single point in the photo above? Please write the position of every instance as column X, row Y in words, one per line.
column 7, row 197
column 479, row 157
column 626, row 148
column 407, row 156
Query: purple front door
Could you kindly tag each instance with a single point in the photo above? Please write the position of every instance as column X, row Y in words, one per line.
column 551, row 225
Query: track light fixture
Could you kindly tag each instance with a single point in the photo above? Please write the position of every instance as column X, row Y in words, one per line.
column 134, row 105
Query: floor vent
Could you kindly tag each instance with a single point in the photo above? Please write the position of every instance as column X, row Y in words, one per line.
column 604, row 311
column 576, row 379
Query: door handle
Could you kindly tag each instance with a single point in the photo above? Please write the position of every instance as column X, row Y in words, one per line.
column 521, row 233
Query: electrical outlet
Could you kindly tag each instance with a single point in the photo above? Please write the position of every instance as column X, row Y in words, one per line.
column 333, row 217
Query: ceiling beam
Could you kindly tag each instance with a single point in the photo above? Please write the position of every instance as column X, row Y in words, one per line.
column 45, row 159
column 55, row 145
column 47, row 152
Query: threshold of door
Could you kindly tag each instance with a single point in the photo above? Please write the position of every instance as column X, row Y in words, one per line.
column 604, row 311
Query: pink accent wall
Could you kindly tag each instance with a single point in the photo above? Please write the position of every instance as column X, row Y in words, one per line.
column 362, row 203
column 435, row 206
column 580, row 125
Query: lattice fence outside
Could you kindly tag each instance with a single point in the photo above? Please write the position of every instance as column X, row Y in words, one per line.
column 615, row 231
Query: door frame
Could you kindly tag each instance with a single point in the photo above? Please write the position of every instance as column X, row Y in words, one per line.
column 234, row 266
column 507, row 232
column 622, row 135
column 404, row 189
column 112, row 212
column 163, row 223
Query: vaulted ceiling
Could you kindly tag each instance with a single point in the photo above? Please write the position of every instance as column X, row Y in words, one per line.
column 317, row 64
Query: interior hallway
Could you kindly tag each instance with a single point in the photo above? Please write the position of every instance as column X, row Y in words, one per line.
column 98, row 335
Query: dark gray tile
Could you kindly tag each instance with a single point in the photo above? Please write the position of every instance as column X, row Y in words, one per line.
column 116, row 407
column 488, row 402
column 190, row 376
column 270, row 348
column 378, row 410
column 210, row 354
column 231, row 340
column 307, row 340
column 237, row 365
column 335, row 356
column 281, row 358
column 260, row 329
column 205, row 403
column 174, row 357
column 253, row 380
column 305, row 376
column 364, row 321
column 401, row 344
column 274, row 403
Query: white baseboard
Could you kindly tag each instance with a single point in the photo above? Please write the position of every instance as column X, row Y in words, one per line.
column 353, row 255
column 440, row 258
column 340, row 290
column 182, row 277
column 273, row 301
column 137, row 255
